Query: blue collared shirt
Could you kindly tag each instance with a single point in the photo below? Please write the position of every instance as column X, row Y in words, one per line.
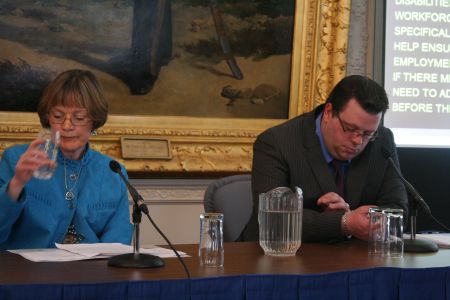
column 325, row 152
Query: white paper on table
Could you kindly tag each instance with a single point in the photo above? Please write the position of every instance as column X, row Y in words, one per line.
column 110, row 249
column 96, row 249
column 441, row 239
column 50, row 255
column 73, row 252
column 161, row 252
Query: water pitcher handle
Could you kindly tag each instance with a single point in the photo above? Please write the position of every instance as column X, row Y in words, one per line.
column 298, row 192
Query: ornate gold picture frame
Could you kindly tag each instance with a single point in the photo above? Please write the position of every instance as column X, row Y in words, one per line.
column 218, row 144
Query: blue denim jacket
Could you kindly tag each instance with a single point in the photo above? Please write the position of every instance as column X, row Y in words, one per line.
column 41, row 216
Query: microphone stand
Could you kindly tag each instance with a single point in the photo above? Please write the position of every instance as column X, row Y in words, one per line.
column 412, row 244
column 136, row 259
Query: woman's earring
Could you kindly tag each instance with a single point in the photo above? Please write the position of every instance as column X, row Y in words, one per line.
column 93, row 132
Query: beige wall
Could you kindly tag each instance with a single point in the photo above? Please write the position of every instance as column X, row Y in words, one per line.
column 175, row 206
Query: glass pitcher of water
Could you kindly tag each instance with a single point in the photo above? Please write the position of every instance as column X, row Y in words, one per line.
column 280, row 221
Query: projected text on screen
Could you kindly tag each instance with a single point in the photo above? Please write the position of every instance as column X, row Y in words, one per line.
column 417, row 71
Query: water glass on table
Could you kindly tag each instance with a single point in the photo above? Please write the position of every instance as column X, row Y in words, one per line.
column 375, row 241
column 393, row 232
column 280, row 221
column 210, row 250
column 386, row 232
column 50, row 148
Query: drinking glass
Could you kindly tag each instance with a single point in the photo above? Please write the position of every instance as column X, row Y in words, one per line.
column 393, row 232
column 50, row 148
column 375, row 241
column 386, row 232
column 210, row 249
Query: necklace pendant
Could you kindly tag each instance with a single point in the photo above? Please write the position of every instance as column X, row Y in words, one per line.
column 69, row 196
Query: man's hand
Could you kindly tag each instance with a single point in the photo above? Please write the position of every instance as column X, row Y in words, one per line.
column 358, row 222
column 333, row 202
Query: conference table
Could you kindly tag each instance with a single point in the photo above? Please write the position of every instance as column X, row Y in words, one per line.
column 319, row 271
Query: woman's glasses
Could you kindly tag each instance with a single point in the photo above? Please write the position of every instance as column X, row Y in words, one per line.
column 75, row 119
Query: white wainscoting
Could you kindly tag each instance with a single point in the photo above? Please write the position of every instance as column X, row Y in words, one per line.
column 175, row 206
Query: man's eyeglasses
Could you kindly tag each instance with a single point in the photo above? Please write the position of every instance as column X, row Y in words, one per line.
column 365, row 135
column 76, row 119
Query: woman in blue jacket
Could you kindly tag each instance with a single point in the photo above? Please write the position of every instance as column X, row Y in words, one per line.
column 84, row 201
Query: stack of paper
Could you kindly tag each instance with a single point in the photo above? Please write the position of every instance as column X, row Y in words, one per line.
column 72, row 252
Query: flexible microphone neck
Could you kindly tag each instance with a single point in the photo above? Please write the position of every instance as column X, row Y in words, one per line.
column 137, row 198
column 411, row 190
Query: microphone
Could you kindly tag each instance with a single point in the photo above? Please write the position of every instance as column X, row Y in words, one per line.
column 411, row 190
column 137, row 260
column 412, row 244
column 115, row 167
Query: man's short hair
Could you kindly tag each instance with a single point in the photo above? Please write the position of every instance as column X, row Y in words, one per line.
column 370, row 95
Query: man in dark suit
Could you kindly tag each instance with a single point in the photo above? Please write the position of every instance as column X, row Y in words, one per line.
column 334, row 154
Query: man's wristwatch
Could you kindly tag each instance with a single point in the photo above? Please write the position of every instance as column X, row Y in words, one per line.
column 344, row 225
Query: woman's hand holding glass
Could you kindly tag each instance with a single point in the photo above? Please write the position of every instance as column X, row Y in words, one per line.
column 33, row 159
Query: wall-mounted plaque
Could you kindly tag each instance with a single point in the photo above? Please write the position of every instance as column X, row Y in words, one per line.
column 140, row 147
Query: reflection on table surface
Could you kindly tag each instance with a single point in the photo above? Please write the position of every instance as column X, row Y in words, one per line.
column 240, row 258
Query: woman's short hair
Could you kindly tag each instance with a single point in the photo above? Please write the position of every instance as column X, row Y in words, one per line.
column 75, row 88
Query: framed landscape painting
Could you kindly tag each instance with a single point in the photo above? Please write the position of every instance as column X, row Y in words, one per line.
column 205, row 76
